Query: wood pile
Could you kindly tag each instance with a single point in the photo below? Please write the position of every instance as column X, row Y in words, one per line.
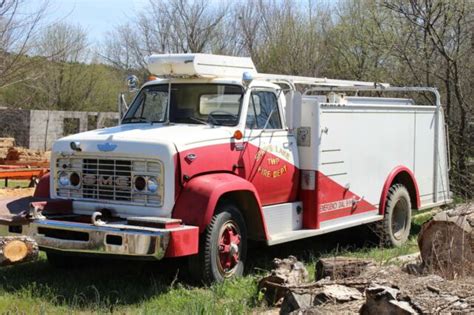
column 438, row 280
column 10, row 154
column 5, row 144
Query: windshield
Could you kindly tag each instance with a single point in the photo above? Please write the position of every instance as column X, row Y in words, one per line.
column 216, row 104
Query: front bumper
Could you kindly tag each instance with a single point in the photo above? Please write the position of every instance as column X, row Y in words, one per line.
column 119, row 238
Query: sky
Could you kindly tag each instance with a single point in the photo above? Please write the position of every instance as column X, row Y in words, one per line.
column 97, row 17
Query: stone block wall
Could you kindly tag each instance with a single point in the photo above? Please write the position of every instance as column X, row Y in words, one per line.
column 15, row 124
column 38, row 129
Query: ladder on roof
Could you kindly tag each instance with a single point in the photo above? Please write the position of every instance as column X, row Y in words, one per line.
column 293, row 80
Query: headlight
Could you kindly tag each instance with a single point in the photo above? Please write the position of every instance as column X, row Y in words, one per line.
column 64, row 179
column 75, row 179
column 140, row 183
column 152, row 185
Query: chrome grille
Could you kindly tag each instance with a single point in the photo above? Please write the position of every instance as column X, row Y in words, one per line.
column 109, row 179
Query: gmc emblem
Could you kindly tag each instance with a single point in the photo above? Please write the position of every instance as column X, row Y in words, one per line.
column 105, row 180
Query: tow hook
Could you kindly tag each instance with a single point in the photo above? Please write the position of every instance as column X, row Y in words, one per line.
column 96, row 219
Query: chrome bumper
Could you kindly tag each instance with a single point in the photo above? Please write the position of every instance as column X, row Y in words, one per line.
column 110, row 239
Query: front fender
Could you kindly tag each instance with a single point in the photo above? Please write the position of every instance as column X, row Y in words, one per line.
column 199, row 197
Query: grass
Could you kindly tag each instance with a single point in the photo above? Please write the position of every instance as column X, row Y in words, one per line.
column 13, row 183
column 136, row 287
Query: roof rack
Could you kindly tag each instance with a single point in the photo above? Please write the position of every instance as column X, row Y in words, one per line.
column 298, row 80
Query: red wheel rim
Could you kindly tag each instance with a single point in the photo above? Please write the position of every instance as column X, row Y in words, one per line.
column 228, row 251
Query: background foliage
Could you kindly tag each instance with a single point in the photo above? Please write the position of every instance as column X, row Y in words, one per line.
column 402, row 42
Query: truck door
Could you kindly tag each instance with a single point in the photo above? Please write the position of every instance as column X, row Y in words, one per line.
column 271, row 155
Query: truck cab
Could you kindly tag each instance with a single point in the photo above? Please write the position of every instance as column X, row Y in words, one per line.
column 211, row 154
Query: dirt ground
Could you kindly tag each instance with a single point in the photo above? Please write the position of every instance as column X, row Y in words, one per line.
column 16, row 192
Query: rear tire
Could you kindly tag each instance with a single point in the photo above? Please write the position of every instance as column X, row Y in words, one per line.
column 395, row 227
column 223, row 247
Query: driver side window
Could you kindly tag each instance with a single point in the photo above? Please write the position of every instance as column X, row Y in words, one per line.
column 263, row 111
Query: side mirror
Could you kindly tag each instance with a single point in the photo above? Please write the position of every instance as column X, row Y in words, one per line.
column 132, row 83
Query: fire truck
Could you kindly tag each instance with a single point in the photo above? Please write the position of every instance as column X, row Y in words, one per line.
column 212, row 154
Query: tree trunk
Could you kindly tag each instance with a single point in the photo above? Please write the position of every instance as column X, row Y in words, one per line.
column 447, row 242
column 17, row 249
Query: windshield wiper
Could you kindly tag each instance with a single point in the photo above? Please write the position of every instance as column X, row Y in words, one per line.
column 135, row 119
column 199, row 121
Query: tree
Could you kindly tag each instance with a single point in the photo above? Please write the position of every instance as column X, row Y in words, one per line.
column 18, row 30
column 165, row 27
column 68, row 76
column 438, row 50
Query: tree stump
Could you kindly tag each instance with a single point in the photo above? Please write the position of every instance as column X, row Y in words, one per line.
column 446, row 243
column 341, row 267
column 17, row 249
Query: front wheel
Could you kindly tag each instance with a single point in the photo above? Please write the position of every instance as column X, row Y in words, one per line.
column 223, row 247
column 395, row 227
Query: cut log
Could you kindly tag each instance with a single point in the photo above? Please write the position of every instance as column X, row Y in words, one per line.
column 446, row 243
column 17, row 250
column 341, row 267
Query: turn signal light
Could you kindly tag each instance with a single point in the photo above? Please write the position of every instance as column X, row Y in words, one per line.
column 152, row 78
column 238, row 135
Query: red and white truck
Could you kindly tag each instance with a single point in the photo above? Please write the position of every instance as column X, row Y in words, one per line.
column 211, row 154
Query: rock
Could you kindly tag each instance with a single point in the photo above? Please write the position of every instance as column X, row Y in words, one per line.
column 406, row 259
column 307, row 298
column 294, row 301
column 287, row 272
column 337, row 293
column 383, row 300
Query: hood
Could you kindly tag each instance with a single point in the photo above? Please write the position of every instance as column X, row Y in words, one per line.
column 180, row 137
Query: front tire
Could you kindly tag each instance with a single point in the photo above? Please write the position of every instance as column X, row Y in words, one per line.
column 395, row 227
column 223, row 247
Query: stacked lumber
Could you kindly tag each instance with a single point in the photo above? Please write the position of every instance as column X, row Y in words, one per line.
column 11, row 154
column 26, row 156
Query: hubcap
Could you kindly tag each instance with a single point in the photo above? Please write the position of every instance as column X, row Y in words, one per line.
column 229, row 248
column 399, row 218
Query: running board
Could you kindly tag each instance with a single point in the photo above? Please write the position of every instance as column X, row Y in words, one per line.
column 326, row 227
